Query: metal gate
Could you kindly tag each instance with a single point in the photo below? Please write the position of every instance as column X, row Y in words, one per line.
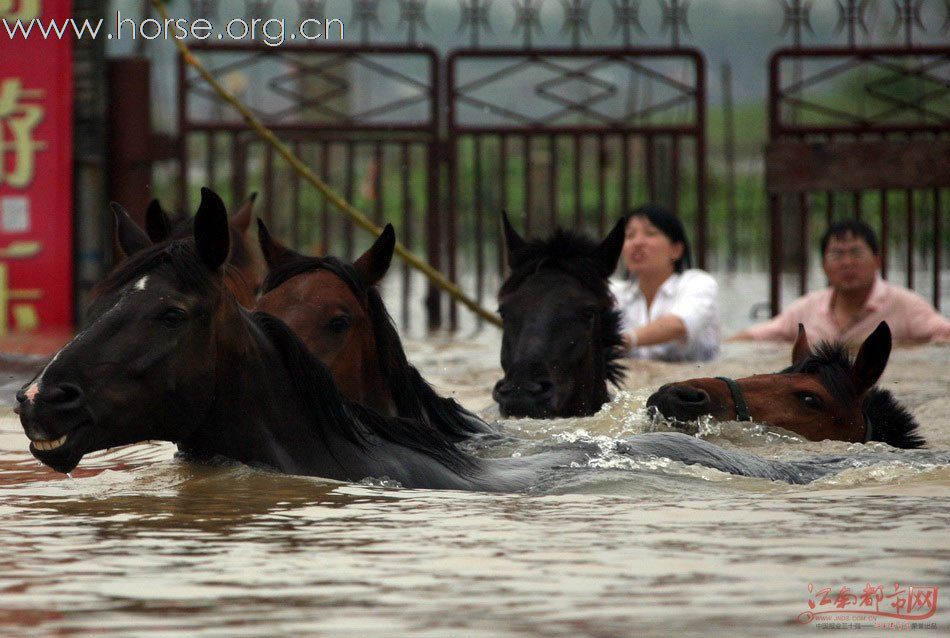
column 378, row 150
column 570, row 138
column 439, row 148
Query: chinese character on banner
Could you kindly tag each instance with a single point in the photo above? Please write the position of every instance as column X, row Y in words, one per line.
column 18, row 120
column 36, row 216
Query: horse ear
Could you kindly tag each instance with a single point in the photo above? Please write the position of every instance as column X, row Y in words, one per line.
column 212, row 237
column 374, row 263
column 245, row 212
column 608, row 252
column 872, row 358
column 157, row 224
column 513, row 241
column 275, row 253
column 129, row 238
column 802, row 349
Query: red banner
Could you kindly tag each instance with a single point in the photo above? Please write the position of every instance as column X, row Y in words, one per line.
column 36, row 216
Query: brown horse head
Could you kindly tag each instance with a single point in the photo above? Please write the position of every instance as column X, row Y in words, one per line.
column 825, row 394
column 245, row 271
column 561, row 332
column 336, row 310
column 326, row 303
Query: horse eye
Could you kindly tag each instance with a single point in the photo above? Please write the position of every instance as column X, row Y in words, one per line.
column 340, row 323
column 173, row 317
column 590, row 312
column 810, row 400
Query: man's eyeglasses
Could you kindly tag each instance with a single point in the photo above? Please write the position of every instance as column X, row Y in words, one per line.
column 857, row 253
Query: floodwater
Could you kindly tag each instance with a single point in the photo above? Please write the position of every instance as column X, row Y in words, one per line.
column 138, row 542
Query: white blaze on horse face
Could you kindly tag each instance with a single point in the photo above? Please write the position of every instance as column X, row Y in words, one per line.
column 141, row 283
column 32, row 391
column 34, row 388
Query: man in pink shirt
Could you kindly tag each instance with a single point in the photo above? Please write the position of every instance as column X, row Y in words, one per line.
column 857, row 299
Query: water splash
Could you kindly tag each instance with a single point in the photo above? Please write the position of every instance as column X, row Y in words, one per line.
column 381, row 481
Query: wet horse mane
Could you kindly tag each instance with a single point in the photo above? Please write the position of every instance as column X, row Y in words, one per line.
column 833, row 364
column 570, row 253
column 412, row 394
column 314, row 385
column 178, row 256
column 178, row 259
column 890, row 422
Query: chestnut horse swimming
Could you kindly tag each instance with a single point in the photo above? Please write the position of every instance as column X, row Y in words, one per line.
column 335, row 308
column 561, row 341
column 823, row 395
column 172, row 356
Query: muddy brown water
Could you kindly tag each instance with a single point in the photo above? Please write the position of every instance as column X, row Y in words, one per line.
column 141, row 543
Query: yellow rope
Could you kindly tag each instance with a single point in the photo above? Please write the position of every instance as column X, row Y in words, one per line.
column 434, row 275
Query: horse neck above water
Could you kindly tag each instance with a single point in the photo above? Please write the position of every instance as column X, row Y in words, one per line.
column 279, row 408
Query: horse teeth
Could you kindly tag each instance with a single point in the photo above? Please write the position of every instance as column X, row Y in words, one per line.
column 46, row 446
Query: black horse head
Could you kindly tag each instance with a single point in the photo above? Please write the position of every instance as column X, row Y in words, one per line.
column 151, row 336
column 561, row 337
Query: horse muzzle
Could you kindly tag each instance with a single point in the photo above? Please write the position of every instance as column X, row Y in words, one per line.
column 534, row 398
column 681, row 402
column 58, row 422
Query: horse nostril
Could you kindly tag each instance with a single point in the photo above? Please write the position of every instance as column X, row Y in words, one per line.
column 688, row 394
column 65, row 396
column 21, row 396
column 537, row 386
column 502, row 387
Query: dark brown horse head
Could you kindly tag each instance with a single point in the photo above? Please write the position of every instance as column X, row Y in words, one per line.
column 245, row 271
column 561, row 340
column 326, row 303
column 336, row 310
column 142, row 368
column 824, row 394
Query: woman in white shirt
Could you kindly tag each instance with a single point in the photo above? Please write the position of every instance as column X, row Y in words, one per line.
column 669, row 312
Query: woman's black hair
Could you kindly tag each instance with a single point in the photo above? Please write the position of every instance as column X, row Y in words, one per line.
column 668, row 224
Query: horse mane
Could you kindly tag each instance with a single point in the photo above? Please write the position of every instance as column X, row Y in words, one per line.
column 570, row 253
column 301, row 264
column 178, row 258
column 891, row 423
column 314, row 385
column 833, row 364
column 414, row 397
column 565, row 251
